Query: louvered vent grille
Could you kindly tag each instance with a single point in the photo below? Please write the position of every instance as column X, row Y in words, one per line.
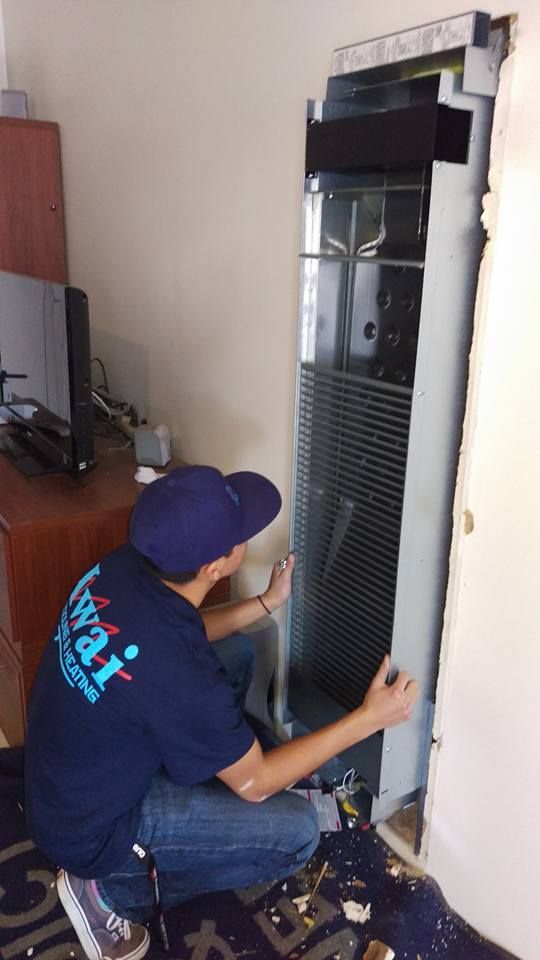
column 351, row 460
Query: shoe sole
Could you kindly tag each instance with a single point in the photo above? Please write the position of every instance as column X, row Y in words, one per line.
column 80, row 925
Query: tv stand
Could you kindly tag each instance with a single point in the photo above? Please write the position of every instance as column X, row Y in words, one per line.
column 37, row 441
column 52, row 529
column 24, row 455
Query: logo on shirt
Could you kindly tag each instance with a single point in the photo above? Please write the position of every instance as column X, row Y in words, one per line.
column 82, row 637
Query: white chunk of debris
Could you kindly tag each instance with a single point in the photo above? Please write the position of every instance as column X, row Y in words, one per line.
column 356, row 912
column 30, row 951
column 284, row 888
column 378, row 951
column 276, row 920
column 395, row 870
column 301, row 903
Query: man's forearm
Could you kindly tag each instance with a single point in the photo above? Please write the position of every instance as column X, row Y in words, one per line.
column 257, row 776
column 297, row 758
column 221, row 622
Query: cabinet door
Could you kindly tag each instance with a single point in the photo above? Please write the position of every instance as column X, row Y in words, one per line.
column 11, row 695
column 7, row 592
column 31, row 210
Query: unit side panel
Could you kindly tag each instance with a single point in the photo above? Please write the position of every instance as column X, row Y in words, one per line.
column 454, row 247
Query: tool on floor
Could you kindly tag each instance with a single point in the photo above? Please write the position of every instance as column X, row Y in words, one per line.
column 307, row 919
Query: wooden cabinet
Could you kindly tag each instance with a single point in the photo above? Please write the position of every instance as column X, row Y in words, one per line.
column 31, row 207
column 52, row 529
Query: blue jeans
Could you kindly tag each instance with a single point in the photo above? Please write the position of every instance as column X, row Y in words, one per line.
column 207, row 838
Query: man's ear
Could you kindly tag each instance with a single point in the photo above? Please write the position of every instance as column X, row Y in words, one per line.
column 212, row 570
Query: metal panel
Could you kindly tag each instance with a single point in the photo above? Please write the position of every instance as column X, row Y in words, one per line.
column 351, row 459
column 413, row 135
column 413, row 44
column 389, row 267
column 454, row 247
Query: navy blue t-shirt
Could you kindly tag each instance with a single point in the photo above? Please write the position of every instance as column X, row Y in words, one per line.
column 128, row 683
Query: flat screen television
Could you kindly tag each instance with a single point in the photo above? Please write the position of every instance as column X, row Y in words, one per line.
column 45, row 383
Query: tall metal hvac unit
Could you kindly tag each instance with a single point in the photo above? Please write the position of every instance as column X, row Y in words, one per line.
column 396, row 166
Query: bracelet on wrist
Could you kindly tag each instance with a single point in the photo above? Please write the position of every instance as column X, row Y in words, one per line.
column 269, row 612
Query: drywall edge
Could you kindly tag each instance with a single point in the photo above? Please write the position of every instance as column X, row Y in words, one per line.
column 461, row 515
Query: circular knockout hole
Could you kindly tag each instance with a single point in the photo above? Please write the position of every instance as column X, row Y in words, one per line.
column 370, row 331
column 378, row 369
column 407, row 301
column 384, row 299
column 413, row 342
column 392, row 336
column 401, row 375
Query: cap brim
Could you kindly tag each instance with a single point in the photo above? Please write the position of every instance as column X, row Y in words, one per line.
column 260, row 500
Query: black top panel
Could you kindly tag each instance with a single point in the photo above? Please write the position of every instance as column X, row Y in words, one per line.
column 414, row 135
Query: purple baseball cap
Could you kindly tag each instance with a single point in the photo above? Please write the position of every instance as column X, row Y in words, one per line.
column 195, row 515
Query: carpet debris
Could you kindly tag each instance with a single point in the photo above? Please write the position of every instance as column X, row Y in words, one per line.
column 397, row 868
column 301, row 903
column 356, row 912
column 378, row 951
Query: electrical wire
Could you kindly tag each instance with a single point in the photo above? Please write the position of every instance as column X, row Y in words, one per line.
column 104, row 372
column 348, row 782
column 101, row 403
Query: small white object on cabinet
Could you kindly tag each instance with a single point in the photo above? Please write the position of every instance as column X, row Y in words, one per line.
column 152, row 445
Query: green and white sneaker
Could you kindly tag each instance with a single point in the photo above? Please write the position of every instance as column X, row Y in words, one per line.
column 103, row 934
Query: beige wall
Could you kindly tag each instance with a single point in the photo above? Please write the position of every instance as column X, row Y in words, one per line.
column 3, row 71
column 182, row 134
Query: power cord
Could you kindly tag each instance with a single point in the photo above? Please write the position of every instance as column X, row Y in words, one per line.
column 111, row 415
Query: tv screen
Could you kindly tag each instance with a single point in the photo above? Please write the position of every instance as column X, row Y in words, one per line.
column 45, row 338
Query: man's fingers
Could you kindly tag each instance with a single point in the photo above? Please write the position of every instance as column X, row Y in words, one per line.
column 412, row 692
column 400, row 683
column 411, row 696
column 380, row 677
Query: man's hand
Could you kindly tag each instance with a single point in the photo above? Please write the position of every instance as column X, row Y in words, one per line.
column 279, row 588
column 388, row 706
column 258, row 775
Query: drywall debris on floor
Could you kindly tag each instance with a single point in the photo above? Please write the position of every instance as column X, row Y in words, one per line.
column 356, row 912
column 301, row 902
column 398, row 868
column 378, row 951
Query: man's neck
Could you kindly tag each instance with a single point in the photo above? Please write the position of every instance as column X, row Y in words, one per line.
column 194, row 591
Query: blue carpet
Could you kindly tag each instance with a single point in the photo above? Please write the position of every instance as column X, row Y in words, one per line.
column 407, row 914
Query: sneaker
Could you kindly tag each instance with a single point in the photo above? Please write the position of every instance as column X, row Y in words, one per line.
column 103, row 935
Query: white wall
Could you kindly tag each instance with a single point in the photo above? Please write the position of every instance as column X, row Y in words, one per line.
column 183, row 134
column 3, row 70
